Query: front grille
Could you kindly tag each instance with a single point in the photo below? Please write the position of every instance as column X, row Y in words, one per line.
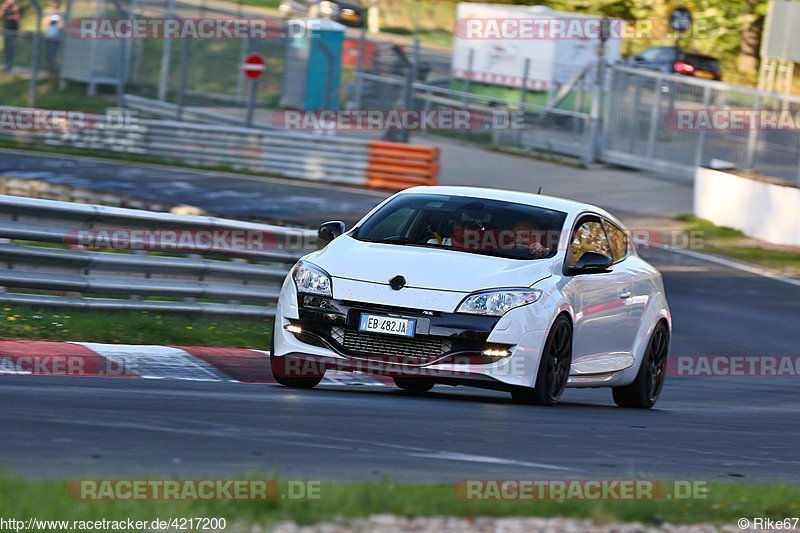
column 418, row 350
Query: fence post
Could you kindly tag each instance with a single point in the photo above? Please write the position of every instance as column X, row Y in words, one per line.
column 752, row 135
column 244, row 49
column 468, row 79
column 362, row 46
column 163, row 81
column 35, row 64
column 92, row 88
column 654, row 112
column 182, row 78
column 597, row 93
column 701, row 142
column 523, row 91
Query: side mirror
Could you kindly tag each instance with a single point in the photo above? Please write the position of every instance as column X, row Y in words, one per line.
column 591, row 263
column 330, row 230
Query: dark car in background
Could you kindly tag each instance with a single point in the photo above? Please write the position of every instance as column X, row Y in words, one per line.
column 673, row 60
column 348, row 13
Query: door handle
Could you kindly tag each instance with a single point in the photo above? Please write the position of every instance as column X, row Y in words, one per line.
column 625, row 294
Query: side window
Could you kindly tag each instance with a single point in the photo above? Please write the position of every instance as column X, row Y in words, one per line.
column 589, row 237
column 618, row 241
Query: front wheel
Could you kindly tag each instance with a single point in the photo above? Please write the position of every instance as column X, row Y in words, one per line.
column 294, row 373
column 643, row 393
column 291, row 373
column 553, row 374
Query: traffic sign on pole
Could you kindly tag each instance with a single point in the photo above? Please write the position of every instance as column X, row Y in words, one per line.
column 253, row 68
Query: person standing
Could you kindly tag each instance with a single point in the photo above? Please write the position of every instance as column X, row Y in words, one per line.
column 11, row 15
column 54, row 22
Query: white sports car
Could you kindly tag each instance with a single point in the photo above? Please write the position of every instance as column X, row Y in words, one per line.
column 466, row 286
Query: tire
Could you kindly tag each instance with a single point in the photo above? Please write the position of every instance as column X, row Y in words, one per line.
column 643, row 393
column 414, row 384
column 307, row 380
column 553, row 373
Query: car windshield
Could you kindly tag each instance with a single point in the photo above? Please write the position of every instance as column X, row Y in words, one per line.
column 473, row 225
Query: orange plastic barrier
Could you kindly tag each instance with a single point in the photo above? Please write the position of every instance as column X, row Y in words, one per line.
column 397, row 166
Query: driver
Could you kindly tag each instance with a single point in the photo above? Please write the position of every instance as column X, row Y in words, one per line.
column 528, row 234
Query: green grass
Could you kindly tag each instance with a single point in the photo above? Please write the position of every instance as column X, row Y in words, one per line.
column 48, row 96
column 725, row 504
column 132, row 327
column 733, row 243
column 431, row 37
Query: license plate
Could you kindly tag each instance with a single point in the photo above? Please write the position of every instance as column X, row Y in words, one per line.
column 704, row 74
column 403, row 327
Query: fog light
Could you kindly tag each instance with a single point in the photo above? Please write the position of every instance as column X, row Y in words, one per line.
column 291, row 328
column 495, row 353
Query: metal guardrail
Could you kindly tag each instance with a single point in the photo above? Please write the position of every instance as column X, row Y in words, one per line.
column 289, row 154
column 218, row 278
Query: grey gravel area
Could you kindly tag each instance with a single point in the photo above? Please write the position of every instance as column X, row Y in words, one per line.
column 393, row 524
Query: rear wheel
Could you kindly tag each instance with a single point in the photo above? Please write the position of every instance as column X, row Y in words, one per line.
column 414, row 384
column 643, row 393
column 292, row 372
column 553, row 374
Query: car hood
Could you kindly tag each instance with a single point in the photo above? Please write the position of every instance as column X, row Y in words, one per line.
column 426, row 268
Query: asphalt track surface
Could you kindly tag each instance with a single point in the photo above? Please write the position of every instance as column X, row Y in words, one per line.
column 229, row 195
column 719, row 429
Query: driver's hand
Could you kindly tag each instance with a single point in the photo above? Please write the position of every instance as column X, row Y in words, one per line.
column 537, row 249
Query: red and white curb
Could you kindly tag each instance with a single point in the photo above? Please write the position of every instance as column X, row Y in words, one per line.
column 195, row 363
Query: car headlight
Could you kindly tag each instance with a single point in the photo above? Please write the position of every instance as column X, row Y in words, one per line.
column 497, row 302
column 311, row 279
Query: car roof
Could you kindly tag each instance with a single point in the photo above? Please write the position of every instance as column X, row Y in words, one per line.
column 548, row 202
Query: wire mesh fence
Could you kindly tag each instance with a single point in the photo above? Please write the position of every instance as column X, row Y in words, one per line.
column 678, row 123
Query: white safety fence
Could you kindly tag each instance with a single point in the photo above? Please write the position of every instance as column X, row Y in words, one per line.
column 292, row 155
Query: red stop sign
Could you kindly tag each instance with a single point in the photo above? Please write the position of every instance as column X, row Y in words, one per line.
column 253, row 66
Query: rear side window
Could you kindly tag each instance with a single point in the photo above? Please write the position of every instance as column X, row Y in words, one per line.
column 618, row 241
column 588, row 237
column 658, row 54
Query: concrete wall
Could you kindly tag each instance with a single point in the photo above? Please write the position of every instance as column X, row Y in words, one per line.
column 759, row 208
